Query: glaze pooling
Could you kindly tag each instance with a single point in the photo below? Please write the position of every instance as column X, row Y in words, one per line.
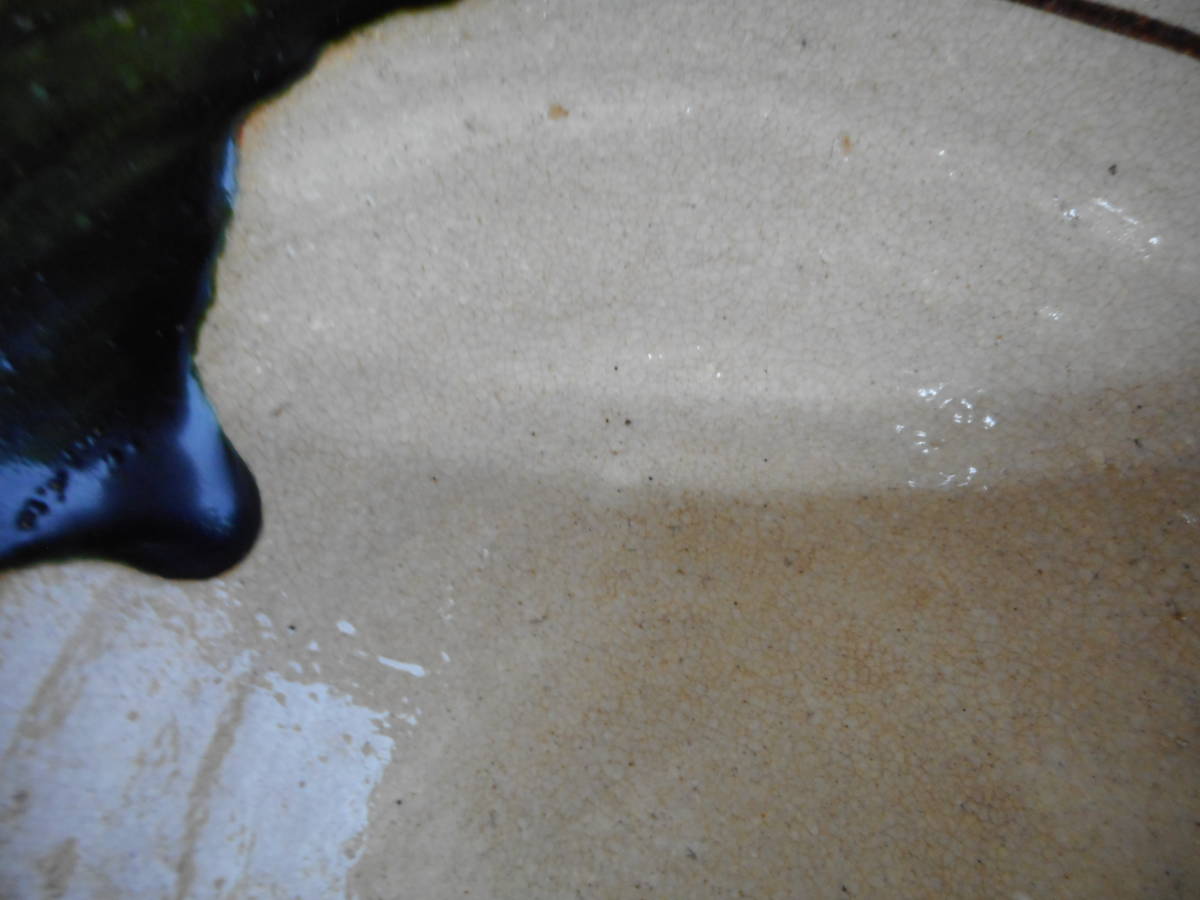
column 115, row 186
column 108, row 446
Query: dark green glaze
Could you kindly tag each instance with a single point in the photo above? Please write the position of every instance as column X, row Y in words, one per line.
column 115, row 185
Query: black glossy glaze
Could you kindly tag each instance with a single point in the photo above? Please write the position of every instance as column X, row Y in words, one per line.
column 144, row 477
column 115, row 185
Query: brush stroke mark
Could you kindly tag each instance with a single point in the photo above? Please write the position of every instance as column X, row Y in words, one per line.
column 207, row 778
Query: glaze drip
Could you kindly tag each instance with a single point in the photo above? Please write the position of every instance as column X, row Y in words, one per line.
column 116, row 182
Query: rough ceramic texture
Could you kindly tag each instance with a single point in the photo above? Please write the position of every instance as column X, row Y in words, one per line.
column 708, row 451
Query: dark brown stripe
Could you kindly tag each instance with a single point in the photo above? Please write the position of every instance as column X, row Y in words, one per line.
column 1122, row 21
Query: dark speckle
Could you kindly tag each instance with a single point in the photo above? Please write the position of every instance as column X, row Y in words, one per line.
column 28, row 516
column 1112, row 170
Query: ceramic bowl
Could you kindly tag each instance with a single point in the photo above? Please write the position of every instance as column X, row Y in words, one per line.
column 707, row 450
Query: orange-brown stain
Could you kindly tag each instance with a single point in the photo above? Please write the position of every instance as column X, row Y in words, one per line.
column 898, row 682
column 557, row 111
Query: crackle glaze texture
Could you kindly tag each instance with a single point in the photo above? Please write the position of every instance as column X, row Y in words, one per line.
column 712, row 450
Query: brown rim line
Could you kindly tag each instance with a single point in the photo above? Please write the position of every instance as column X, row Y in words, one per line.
column 1123, row 22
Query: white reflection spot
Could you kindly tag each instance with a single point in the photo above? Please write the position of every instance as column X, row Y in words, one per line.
column 411, row 668
column 942, row 437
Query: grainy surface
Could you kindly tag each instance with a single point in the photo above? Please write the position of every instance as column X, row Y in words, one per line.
column 742, row 454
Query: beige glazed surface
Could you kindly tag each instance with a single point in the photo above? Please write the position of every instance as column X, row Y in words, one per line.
column 708, row 450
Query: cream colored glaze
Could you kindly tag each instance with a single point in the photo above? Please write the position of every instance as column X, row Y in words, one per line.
column 708, row 451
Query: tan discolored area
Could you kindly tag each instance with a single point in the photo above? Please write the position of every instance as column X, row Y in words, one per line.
column 974, row 694
column 57, row 869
